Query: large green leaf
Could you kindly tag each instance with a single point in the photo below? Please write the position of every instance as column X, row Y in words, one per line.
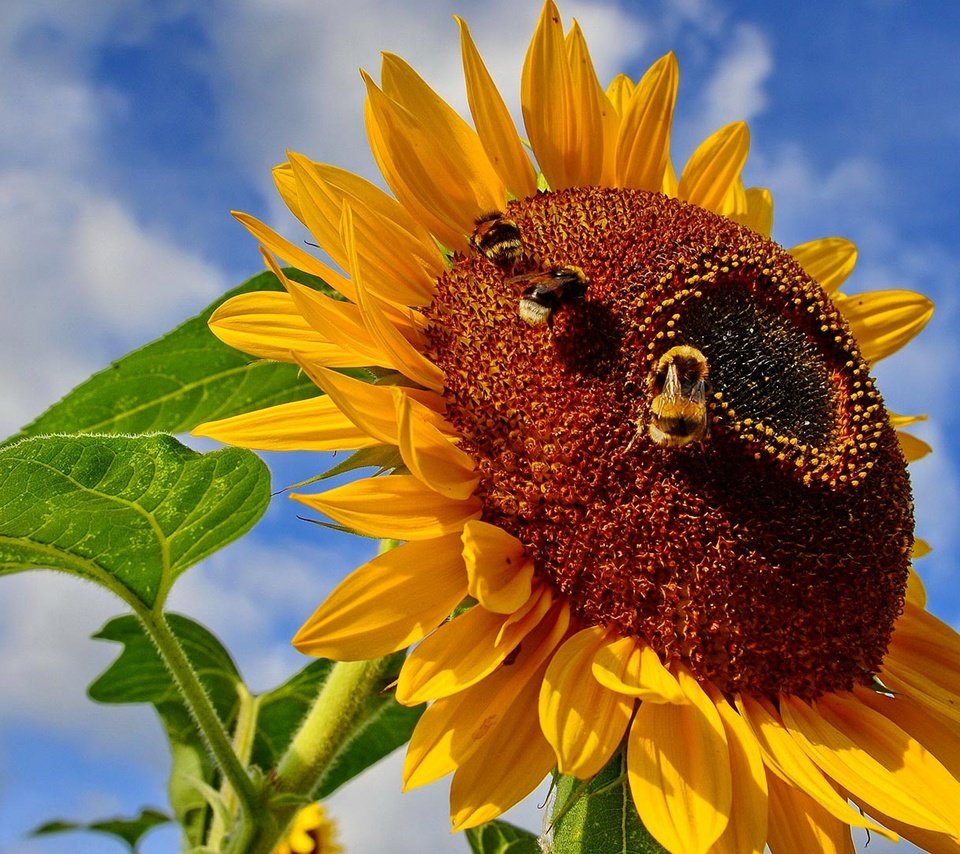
column 499, row 837
column 178, row 381
column 386, row 725
column 139, row 676
column 600, row 818
column 128, row 830
column 130, row 513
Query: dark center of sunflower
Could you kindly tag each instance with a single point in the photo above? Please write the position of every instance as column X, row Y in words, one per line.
column 769, row 550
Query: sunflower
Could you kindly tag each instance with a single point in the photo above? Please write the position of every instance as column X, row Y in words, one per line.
column 633, row 445
column 312, row 832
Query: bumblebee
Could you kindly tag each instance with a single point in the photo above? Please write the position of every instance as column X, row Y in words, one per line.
column 498, row 240
column 547, row 291
column 678, row 410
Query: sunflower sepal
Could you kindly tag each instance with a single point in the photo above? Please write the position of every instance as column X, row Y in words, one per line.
column 582, row 814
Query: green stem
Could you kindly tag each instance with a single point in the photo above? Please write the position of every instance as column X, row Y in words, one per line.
column 204, row 715
column 338, row 713
column 244, row 733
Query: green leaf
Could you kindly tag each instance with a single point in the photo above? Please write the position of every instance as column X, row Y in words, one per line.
column 131, row 513
column 599, row 817
column 139, row 676
column 388, row 725
column 128, row 830
column 498, row 837
column 179, row 381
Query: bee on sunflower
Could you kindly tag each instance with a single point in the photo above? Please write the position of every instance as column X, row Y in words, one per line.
column 679, row 511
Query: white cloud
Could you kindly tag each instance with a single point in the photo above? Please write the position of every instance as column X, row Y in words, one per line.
column 290, row 79
column 47, row 660
column 811, row 200
column 86, row 281
column 735, row 91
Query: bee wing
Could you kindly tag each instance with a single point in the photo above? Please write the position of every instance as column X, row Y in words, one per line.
column 672, row 389
column 525, row 278
column 698, row 394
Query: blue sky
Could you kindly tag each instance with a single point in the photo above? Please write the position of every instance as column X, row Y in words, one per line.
column 130, row 131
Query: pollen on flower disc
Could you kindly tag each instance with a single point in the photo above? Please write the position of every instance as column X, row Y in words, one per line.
column 770, row 556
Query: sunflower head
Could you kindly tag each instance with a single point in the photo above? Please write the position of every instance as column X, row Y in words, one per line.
column 312, row 832
column 690, row 519
column 637, row 453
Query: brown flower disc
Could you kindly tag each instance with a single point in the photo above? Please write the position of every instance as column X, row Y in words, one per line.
column 772, row 555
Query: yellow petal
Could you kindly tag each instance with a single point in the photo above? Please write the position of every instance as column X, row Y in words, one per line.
column 500, row 577
column 456, row 727
column 746, row 832
column 589, row 107
column 643, row 147
column 759, row 211
column 620, row 91
column 403, row 251
column 913, row 448
column 397, row 507
column 874, row 759
column 371, row 407
column 400, row 353
column 428, row 454
column 287, row 187
column 316, row 424
column 632, row 667
column 320, row 211
column 394, row 138
column 714, row 168
column 922, row 661
column 455, row 656
column 461, row 653
column 391, row 256
column 670, row 748
column 551, row 95
column 429, row 756
column 514, row 759
column 784, row 756
column 388, row 257
column 916, row 595
column 883, row 321
column 670, row 182
column 799, row 823
column 921, row 548
column 584, row 721
column 435, row 162
column 925, row 840
column 829, row 260
column 474, row 177
column 388, row 603
column 527, row 617
column 498, row 692
column 267, row 324
column 294, row 255
column 343, row 185
column 493, row 122
column 338, row 322
column 899, row 421
column 937, row 734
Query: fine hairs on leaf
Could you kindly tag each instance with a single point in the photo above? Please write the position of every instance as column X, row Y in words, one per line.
column 130, row 513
